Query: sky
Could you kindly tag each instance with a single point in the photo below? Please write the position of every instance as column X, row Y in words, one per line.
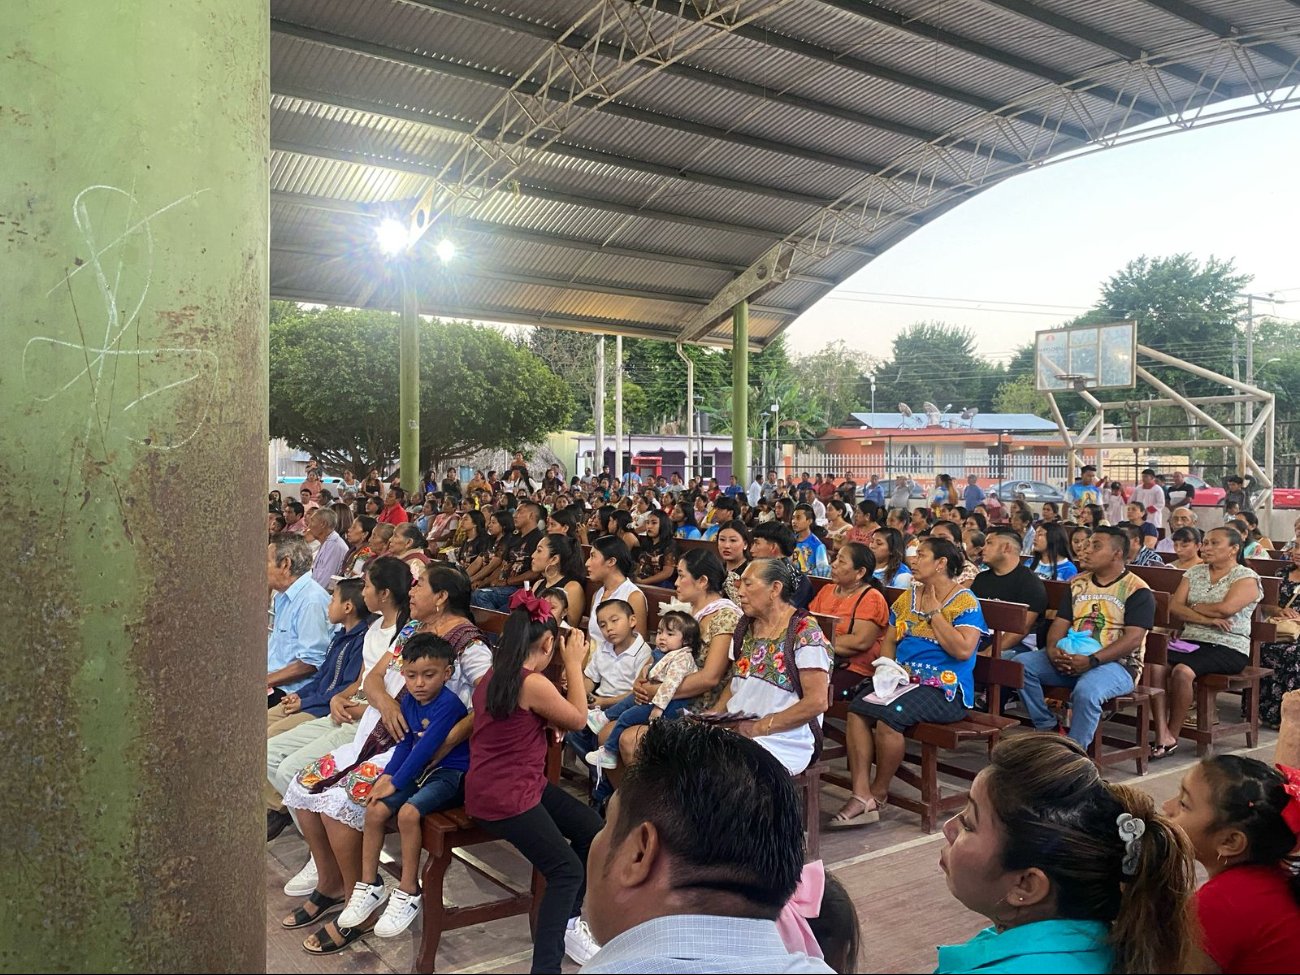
column 1033, row 252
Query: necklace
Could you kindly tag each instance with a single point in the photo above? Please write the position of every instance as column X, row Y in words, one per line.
column 845, row 593
column 774, row 632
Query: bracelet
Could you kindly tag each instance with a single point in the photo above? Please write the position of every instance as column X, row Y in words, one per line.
column 769, row 724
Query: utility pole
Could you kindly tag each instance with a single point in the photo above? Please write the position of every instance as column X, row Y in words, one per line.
column 600, row 406
column 618, row 408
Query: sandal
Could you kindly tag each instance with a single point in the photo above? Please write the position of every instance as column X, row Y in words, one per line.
column 324, row 905
column 328, row 946
column 864, row 818
column 1162, row 751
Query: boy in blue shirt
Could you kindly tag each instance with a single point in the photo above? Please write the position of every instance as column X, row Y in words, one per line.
column 809, row 551
column 409, row 786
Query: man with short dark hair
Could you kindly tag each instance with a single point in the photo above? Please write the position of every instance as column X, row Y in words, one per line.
column 1008, row 578
column 1151, row 496
column 848, row 489
column 516, row 567
column 775, row 540
column 393, row 512
column 809, row 550
column 702, row 847
column 734, row 489
column 1236, row 488
column 1139, row 553
column 294, row 524
column 1085, row 490
column 1116, row 609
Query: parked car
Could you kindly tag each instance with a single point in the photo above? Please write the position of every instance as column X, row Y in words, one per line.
column 1207, row 494
column 1035, row 492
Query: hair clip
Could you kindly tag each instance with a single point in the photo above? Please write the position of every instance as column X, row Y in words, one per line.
column 1131, row 830
column 538, row 609
column 1291, row 811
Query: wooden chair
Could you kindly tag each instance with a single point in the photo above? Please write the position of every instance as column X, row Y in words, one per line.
column 934, row 802
column 447, row 837
column 1207, row 688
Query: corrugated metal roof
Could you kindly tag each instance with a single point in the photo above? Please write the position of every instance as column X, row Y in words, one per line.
column 661, row 183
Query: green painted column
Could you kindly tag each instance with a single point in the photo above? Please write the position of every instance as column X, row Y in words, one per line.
column 740, row 391
column 133, row 385
column 409, row 381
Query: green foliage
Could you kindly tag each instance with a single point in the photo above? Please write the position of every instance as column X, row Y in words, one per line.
column 1181, row 307
column 334, row 387
column 937, row 362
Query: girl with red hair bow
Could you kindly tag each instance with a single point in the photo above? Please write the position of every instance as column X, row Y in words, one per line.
column 1243, row 819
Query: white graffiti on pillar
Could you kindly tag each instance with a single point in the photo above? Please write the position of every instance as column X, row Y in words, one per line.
column 122, row 269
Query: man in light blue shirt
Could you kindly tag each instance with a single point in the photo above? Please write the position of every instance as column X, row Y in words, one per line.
column 679, row 880
column 972, row 494
column 300, row 627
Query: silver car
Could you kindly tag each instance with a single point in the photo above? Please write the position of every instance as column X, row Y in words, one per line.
column 1033, row 491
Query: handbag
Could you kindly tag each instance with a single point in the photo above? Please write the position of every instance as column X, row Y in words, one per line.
column 1287, row 629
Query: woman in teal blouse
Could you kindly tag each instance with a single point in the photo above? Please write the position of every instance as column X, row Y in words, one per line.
column 1077, row 876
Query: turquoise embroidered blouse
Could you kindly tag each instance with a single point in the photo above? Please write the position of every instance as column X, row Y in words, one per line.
column 1068, row 947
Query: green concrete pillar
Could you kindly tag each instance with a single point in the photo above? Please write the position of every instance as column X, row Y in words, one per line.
column 133, row 385
column 740, row 391
column 409, row 382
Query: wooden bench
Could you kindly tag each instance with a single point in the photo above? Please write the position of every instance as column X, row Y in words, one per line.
column 934, row 803
column 1108, row 749
column 447, row 835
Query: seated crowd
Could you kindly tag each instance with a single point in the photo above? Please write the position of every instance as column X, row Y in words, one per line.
column 388, row 702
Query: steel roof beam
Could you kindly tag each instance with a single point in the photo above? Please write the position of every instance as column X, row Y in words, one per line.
column 585, row 285
column 1221, row 28
column 577, row 40
column 530, row 190
column 489, row 313
column 614, row 109
column 839, row 59
column 458, row 127
column 542, row 237
column 542, row 193
column 1129, row 52
column 919, row 28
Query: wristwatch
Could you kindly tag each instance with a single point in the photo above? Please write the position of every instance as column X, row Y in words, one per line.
column 925, row 617
column 1093, row 662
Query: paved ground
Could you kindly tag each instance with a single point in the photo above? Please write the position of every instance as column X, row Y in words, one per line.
column 891, row 869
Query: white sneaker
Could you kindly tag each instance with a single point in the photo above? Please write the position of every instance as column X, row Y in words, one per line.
column 596, row 720
column 401, row 911
column 303, row 883
column 579, row 944
column 365, row 900
column 602, row 758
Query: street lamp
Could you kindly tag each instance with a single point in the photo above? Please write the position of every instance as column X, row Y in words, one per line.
column 393, row 237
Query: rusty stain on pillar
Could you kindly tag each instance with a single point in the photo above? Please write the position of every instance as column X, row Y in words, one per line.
column 133, row 382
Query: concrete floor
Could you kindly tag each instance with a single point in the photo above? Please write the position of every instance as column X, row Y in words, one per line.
column 890, row 869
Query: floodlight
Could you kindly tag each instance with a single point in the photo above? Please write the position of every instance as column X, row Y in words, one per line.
column 445, row 250
column 393, row 236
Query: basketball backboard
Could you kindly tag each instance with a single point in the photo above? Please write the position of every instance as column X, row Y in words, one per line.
column 1089, row 357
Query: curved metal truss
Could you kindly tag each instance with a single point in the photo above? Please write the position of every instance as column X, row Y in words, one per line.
column 599, row 58
column 1033, row 125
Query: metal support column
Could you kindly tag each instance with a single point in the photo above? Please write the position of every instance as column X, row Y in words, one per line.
column 409, row 382
column 599, row 418
column 133, row 382
column 618, row 407
column 740, row 391
column 690, row 411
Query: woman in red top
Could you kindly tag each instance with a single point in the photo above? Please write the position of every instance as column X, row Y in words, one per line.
column 506, row 788
column 1243, row 819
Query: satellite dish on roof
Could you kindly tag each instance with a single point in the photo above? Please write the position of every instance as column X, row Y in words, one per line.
column 968, row 416
column 907, row 414
column 932, row 414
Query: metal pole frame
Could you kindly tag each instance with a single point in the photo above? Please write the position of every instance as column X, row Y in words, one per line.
column 739, row 390
column 599, row 418
column 690, row 411
column 618, row 409
column 409, row 381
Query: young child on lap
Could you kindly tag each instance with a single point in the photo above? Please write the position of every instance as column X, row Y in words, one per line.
column 676, row 643
column 410, row 785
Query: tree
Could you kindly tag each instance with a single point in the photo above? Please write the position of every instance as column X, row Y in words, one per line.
column 1182, row 308
column 937, row 362
column 334, row 388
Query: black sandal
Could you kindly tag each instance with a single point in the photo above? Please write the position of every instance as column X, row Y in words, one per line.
column 1162, row 751
column 328, row 946
column 324, row 904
